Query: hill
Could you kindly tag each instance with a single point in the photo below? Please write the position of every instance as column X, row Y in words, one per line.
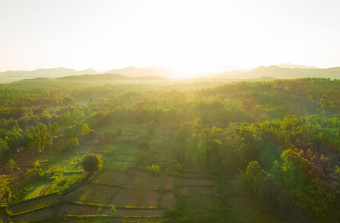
column 285, row 72
column 141, row 71
column 8, row 76
column 84, row 81
column 289, row 65
column 155, row 73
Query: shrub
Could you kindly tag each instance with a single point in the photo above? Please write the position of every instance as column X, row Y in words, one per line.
column 112, row 208
column 33, row 173
column 91, row 163
column 153, row 169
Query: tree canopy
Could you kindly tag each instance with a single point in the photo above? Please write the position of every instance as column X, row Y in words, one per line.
column 92, row 162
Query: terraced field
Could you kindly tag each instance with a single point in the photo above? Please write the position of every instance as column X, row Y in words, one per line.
column 134, row 194
column 123, row 190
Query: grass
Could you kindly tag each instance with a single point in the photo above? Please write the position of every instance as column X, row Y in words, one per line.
column 196, row 182
column 110, row 178
column 36, row 189
column 199, row 209
column 36, row 215
column 168, row 200
column 139, row 212
column 121, row 158
column 37, row 203
column 59, row 174
column 75, row 209
column 91, row 193
column 142, row 180
column 197, row 190
column 62, row 181
column 135, row 197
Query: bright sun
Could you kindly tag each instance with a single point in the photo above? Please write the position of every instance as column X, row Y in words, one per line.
column 185, row 71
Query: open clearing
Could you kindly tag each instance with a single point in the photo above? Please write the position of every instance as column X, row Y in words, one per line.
column 143, row 180
column 135, row 212
column 91, row 193
column 34, row 215
column 168, row 182
column 110, row 178
column 169, row 200
column 196, row 182
column 197, row 191
column 73, row 209
column 136, row 194
column 34, row 203
column 135, row 197
column 133, row 192
column 125, row 183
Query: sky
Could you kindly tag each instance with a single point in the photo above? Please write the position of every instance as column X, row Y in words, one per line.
column 186, row 35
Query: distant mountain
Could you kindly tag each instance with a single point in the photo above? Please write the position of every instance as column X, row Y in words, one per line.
column 289, row 65
column 112, row 77
column 144, row 73
column 95, row 77
column 88, row 71
column 141, row 71
column 49, row 73
column 279, row 72
column 283, row 73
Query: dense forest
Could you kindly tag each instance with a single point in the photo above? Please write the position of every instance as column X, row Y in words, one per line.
column 265, row 151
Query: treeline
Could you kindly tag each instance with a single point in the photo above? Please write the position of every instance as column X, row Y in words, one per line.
column 33, row 119
column 23, row 108
column 291, row 164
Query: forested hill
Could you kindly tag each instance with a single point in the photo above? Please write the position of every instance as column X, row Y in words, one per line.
column 266, row 151
column 288, row 73
column 9, row 76
column 128, row 72
column 285, row 73
column 84, row 81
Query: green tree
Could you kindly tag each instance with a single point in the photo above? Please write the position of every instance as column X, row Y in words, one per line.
column 11, row 164
column 3, row 148
column 85, row 129
column 254, row 175
column 54, row 129
column 72, row 142
column 92, row 163
column 5, row 191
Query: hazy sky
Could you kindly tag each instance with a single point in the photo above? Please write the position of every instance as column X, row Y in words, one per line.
column 188, row 35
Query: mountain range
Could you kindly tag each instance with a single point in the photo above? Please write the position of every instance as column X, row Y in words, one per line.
column 141, row 71
column 9, row 75
column 283, row 71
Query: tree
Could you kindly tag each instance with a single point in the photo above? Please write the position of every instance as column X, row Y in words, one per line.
column 92, row 163
column 5, row 192
column 3, row 148
column 254, row 174
column 85, row 129
column 11, row 164
column 72, row 142
column 54, row 129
